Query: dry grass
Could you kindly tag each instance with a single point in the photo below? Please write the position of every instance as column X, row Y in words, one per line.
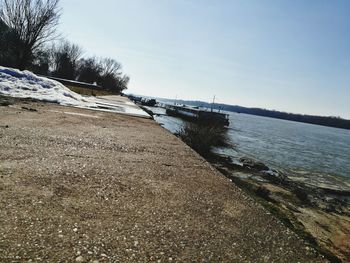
column 90, row 92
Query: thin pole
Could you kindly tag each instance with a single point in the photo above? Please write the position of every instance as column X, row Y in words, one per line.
column 213, row 104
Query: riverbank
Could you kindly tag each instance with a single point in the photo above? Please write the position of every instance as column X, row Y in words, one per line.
column 83, row 185
column 318, row 212
column 314, row 205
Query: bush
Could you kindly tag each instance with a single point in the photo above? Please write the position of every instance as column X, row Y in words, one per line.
column 263, row 192
column 104, row 72
column 203, row 137
column 302, row 195
column 6, row 101
column 89, row 70
column 64, row 60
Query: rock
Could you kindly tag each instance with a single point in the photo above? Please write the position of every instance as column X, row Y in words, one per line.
column 274, row 176
column 330, row 208
column 29, row 109
column 79, row 259
column 253, row 164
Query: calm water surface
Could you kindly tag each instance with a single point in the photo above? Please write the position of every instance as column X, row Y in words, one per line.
column 298, row 147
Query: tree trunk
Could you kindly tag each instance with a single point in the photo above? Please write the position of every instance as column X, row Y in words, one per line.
column 23, row 58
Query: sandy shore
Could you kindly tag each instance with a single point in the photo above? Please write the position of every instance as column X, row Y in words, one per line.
column 78, row 185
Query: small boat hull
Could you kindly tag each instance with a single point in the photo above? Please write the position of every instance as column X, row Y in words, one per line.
column 196, row 115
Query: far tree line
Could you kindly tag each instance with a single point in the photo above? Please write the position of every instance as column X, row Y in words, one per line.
column 329, row 121
column 28, row 40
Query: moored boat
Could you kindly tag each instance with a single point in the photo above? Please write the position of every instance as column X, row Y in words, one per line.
column 198, row 115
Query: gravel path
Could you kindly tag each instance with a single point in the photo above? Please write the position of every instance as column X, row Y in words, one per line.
column 78, row 185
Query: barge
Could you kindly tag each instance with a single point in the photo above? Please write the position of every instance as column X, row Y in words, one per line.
column 198, row 115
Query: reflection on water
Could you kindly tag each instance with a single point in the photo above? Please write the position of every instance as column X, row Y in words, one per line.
column 284, row 144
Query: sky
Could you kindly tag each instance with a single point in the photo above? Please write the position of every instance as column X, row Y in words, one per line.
column 291, row 55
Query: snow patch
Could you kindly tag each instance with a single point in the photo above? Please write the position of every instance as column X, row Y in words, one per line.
column 25, row 84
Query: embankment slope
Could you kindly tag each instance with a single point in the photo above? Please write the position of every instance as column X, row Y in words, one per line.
column 82, row 185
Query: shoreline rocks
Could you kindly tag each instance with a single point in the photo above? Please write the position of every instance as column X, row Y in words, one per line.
column 318, row 210
column 253, row 164
column 319, row 185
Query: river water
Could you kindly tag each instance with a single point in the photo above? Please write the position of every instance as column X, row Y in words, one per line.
column 283, row 145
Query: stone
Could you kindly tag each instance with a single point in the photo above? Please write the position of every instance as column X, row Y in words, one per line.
column 253, row 164
column 79, row 259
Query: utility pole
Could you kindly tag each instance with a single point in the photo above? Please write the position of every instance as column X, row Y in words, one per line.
column 213, row 104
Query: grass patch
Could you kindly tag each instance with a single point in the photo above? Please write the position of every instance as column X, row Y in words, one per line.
column 90, row 92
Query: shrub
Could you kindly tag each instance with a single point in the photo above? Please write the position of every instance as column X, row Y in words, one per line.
column 263, row 192
column 302, row 195
column 5, row 101
column 203, row 137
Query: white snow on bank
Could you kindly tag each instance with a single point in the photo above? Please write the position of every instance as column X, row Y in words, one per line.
column 25, row 84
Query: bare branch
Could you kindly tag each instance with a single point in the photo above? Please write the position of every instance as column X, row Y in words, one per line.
column 110, row 67
column 34, row 22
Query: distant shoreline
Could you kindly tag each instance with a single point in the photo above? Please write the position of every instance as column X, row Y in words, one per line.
column 327, row 121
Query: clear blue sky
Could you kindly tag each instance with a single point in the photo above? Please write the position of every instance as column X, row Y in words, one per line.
column 285, row 55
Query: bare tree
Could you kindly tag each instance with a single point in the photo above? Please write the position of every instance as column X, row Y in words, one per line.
column 110, row 67
column 34, row 22
column 64, row 58
column 41, row 62
column 111, row 77
column 106, row 72
column 89, row 70
column 8, row 40
column 123, row 83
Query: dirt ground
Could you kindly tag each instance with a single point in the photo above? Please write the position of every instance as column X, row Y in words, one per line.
column 78, row 185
